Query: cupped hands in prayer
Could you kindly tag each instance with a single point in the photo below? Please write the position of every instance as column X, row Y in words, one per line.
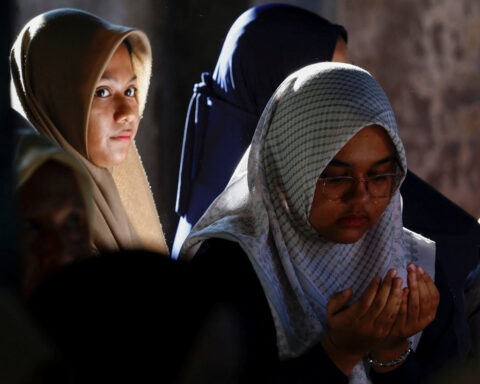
column 380, row 321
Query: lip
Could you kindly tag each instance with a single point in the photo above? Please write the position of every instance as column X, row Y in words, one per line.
column 354, row 221
column 123, row 136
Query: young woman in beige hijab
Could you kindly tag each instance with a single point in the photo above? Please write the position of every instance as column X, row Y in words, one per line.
column 83, row 82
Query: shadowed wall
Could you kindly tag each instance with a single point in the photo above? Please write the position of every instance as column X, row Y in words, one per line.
column 426, row 55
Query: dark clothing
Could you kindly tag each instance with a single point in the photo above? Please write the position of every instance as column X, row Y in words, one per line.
column 264, row 46
column 456, row 233
column 457, row 237
column 124, row 317
column 216, row 136
column 226, row 269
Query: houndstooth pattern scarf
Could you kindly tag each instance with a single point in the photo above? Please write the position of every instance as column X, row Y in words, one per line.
column 266, row 206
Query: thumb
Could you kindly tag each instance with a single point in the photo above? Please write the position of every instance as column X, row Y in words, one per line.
column 338, row 301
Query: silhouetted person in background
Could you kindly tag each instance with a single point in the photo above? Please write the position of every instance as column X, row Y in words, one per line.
column 263, row 46
column 55, row 204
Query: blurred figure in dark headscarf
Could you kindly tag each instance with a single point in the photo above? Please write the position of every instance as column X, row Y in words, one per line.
column 55, row 202
column 263, row 46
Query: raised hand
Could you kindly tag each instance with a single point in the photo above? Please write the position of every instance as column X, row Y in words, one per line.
column 419, row 304
column 418, row 309
column 356, row 329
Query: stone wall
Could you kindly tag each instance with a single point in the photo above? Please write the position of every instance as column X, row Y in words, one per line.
column 426, row 55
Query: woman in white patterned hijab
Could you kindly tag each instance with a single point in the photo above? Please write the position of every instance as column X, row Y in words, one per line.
column 315, row 205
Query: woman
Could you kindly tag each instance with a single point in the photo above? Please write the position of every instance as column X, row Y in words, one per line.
column 263, row 46
column 55, row 209
column 314, row 206
column 82, row 82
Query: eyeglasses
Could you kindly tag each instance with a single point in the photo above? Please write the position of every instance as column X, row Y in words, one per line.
column 378, row 186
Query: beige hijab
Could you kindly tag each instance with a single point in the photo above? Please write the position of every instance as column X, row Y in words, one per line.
column 55, row 63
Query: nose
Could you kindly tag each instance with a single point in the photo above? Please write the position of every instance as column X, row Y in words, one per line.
column 54, row 246
column 359, row 192
column 125, row 110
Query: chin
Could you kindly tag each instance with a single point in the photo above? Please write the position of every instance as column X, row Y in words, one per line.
column 117, row 160
column 345, row 236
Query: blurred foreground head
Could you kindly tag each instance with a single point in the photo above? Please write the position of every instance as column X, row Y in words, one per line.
column 136, row 317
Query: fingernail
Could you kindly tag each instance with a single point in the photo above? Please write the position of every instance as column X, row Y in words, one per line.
column 411, row 267
column 393, row 273
column 420, row 270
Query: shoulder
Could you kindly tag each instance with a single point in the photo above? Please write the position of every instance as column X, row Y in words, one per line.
column 222, row 256
column 222, row 265
column 224, row 272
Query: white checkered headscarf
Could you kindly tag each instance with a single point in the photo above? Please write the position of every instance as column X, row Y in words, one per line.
column 266, row 206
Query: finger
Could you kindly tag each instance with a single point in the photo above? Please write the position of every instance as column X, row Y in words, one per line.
column 434, row 294
column 401, row 320
column 425, row 300
column 413, row 309
column 362, row 305
column 382, row 296
column 338, row 301
column 387, row 318
column 432, row 297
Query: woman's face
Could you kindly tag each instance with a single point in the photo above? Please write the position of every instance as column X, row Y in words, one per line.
column 114, row 115
column 345, row 220
column 54, row 227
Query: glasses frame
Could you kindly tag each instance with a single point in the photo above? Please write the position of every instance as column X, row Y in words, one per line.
column 397, row 177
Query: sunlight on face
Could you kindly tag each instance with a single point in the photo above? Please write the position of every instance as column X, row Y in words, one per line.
column 340, row 54
column 114, row 115
column 369, row 153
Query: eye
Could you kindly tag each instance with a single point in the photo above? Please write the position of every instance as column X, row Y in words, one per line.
column 381, row 177
column 131, row 91
column 102, row 92
column 339, row 180
column 74, row 220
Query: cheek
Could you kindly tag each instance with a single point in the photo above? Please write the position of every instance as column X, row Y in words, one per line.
column 323, row 215
column 376, row 210
column 97, row 138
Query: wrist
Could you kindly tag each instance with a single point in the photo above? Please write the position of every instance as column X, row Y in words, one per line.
column 387, row 359
column 344, row 360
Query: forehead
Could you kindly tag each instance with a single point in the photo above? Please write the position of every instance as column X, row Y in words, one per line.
column 369, row 145
column 52, row 184
column 120, row 63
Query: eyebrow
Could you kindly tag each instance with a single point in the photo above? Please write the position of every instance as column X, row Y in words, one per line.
column 114, row 79
column 339, row 163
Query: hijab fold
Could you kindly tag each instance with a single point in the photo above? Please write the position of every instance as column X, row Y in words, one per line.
column 55, row 64
column 265, row 207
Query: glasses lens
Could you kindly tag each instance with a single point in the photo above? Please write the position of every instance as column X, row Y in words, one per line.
column 382, row 185
column 378, row 186
column 336, row 187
